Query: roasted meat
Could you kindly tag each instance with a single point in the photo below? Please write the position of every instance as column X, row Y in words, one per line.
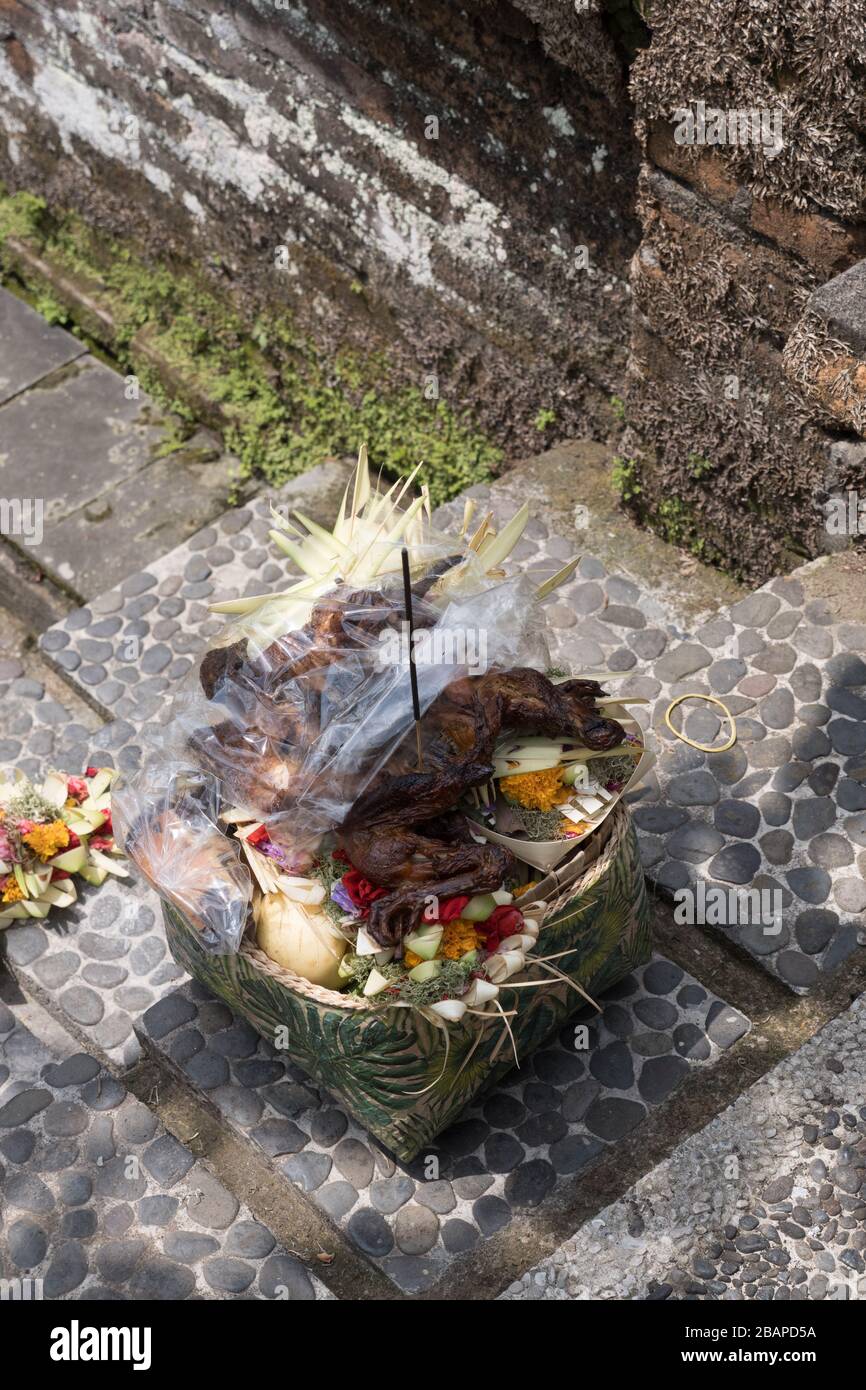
column 279, row 701
column 385, row 835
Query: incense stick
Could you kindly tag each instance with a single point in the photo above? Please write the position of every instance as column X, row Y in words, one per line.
column 413, row 674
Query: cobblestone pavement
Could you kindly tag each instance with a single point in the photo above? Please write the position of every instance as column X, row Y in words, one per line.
column 768, row 1201
column 98, row 1201
column 545, row 1123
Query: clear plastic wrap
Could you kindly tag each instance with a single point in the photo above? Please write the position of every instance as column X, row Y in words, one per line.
column 166, row 819
column 306, row 699
column 294, row 731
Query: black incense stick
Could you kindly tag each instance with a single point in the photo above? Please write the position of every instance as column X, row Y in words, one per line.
column 413, row 674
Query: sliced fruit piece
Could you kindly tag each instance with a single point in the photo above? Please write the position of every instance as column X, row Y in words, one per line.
column 100, row 783
column 425, row 942
column 34, row 909
column 376, row 982
column 479, row 908
column 59, row 897
column 13, row 912
column 102, row 861
column 427, row 970
column 93, row 875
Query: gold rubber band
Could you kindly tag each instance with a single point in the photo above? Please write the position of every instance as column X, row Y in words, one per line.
column 702, row 747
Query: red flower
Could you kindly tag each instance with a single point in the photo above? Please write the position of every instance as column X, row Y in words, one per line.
column 91, row 771
column 76, row 788
column 74, row 841
column 58, row 874
column 451, row 908
column 258, row 836
column 361, row 891
column 103, row 842
column 492, row 943
column 503, row 921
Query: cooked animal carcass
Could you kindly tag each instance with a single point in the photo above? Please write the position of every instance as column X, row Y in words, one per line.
column 280, row 700
column 388, row 834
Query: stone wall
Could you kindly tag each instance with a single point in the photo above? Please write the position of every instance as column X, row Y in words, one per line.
column 430, row 180
column 431, row 172
column 727, row 451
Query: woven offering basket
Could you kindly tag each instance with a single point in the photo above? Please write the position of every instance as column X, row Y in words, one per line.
column 400, row 1076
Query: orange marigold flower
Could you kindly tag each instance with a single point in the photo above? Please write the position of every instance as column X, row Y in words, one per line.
column 11, row 891
column 525, row 887
column 48, row 840
column 457, row 938
column 537, row 791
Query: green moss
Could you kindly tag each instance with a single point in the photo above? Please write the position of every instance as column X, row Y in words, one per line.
column 625, row 477
column 700, row 467
column 50, row 308
column 281, row 406
column 544, row 419
column 617, row 405
column 20, row 216
column 675, row 522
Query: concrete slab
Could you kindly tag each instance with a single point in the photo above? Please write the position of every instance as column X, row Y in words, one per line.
column 147, row 514
column 70, row 440
column 114, row 484
column 30, row 348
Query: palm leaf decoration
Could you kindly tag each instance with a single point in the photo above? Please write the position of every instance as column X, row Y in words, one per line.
column 364, row 546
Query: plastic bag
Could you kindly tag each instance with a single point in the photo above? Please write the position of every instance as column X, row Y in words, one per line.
column 295, row 731
column 307, row 699
column 166, row 821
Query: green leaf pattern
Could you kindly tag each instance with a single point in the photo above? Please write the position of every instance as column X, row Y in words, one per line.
column 391, row 1068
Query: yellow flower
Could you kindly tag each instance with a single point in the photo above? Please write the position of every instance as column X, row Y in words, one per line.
column 525, row 887
column 537, row 791
column 457, row 938
column 48, row 840
column 11, row 891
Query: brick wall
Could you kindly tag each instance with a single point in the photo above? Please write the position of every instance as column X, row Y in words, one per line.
column 220, row 131
column 732, row 455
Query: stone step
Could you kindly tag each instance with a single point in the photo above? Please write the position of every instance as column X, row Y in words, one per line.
column 533, row 1139
column 129, row 646
column 783, row 810
column 571, row 489
column 101, row 1202
column 716, row 818
column 114, row 478
column 767, row 1201
column 30, row 348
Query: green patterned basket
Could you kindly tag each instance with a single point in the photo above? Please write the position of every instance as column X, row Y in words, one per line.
column 401, row 1077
